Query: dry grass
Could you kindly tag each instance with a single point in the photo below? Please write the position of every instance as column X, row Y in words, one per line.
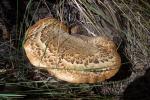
column 127, row 20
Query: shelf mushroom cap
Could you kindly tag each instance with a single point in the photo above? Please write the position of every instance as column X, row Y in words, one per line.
column 75, row 59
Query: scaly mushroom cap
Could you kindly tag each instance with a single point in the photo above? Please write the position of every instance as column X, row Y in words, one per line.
column 70, row 58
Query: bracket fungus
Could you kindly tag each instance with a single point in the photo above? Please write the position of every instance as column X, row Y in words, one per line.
column 70, row 58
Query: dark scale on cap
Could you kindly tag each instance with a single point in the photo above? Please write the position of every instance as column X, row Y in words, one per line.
column 81, row 61
column 37, row 45
column 107, row 53
column 103, row 55
column 66, row 59
column 110, row 57
column 83, row 58
column 60, row 61
column 32, row 43
column 71, row 55
column 45, row 56
column 72, row 61
column 55, row 49
column 45, row 60
column 86, row 63
column 50, row 60
column 102, row 61
column 96, row 61
column 77, row 61
column 39, row 52
column 43, row 36
column 105, row 59
column 48, row 56
column 90, row 60
column 52, row 63
column 50, row 50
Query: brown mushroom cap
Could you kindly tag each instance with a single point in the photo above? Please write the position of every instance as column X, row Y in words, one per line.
column 70, row 58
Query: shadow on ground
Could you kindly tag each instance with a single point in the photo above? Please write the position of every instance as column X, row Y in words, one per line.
column 139, row 89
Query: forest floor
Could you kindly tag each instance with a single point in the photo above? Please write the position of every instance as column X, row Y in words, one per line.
column 125, row 22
